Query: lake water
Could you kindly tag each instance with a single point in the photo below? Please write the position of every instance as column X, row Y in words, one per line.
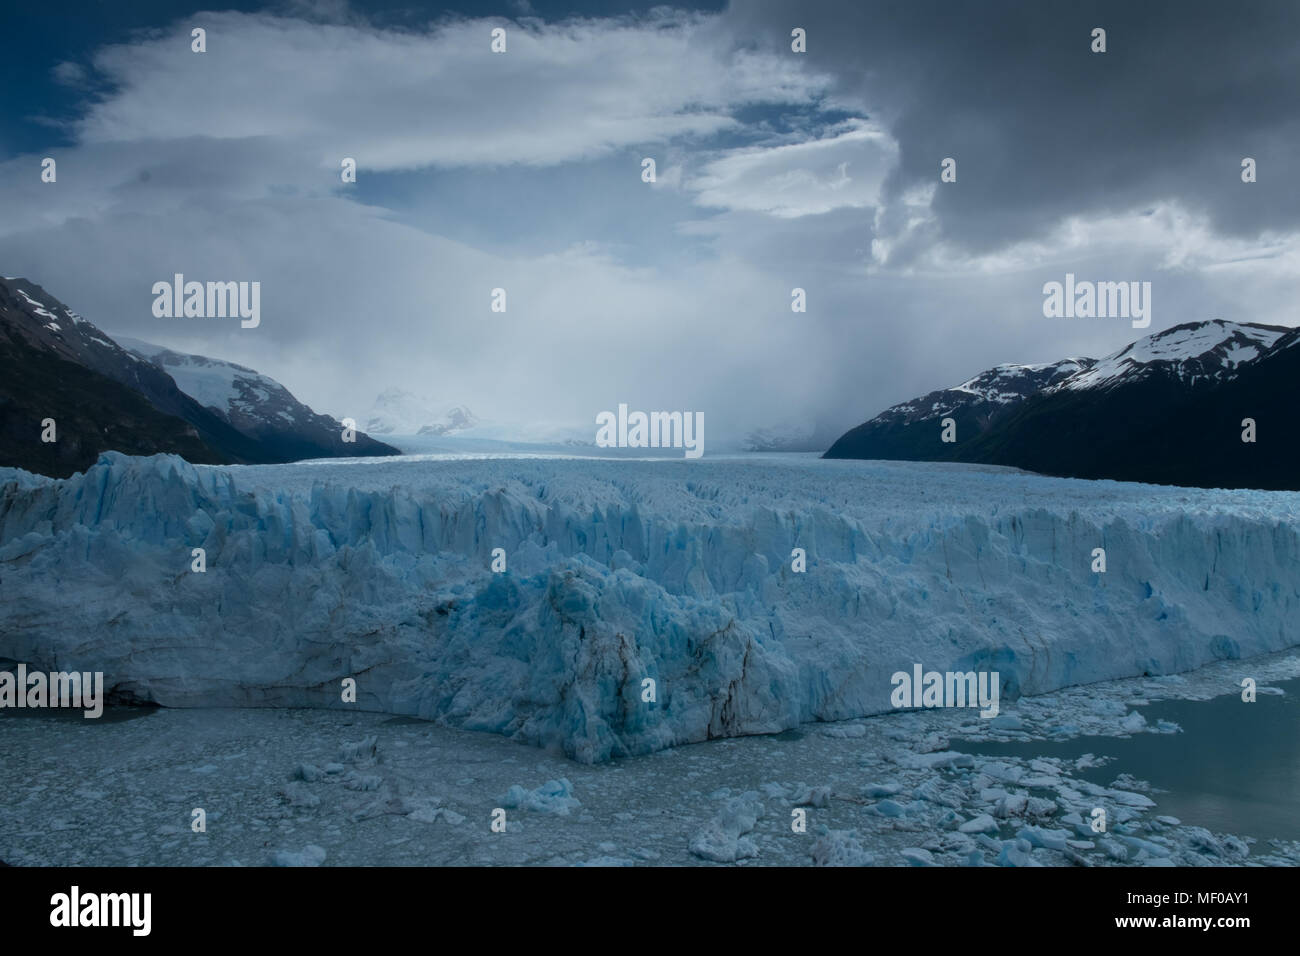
column 1235, row 767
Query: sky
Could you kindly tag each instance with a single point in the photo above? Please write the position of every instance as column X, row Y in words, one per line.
column 775, row 170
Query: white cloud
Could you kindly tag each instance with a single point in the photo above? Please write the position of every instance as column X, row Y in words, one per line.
column 397, row 100
column 68, row 73
column 843, row 169
column 1164, row 235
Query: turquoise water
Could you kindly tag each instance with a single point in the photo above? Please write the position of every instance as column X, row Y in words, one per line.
column 1234, row 768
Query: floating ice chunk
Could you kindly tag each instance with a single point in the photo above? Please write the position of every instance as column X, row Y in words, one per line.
column 310, row 855
column 981, row 824
column 1137, row 843
column 878, row 790
column 554, row 796
column 1114, row 850
column 1133, row 723
column 1012, row 805
column 1018, row 852
column 610, row 861
column 935, row 761
column 887, row 808
column 296, row 794
column 1003, row 772
column 1040, row 782
column 931, row 743
column 932, row 791
column 363, row 781
column 1039, row 837
column 723, row 839
column 1127, row 798
column 840, row 848
column 813, row 797
column 361, row 751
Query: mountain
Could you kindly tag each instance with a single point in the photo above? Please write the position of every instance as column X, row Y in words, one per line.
column 257, row 406
column 789, row 437
column 1166, row 409
column 56, row 364
column 1195, row 353
column 911, row 431
column 398, row 412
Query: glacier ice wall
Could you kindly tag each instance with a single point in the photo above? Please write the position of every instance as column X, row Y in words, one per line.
column 619, row 571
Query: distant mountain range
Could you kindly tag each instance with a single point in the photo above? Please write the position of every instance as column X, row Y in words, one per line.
column 789, row 437
column 55, row 364
column 398, row 412
column 1166, row 409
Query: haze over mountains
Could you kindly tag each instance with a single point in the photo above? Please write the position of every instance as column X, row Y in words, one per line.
column 399, row 412
column 1169, row 409
column 141, row 400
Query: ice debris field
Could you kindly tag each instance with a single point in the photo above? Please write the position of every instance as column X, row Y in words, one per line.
column 298, row 787
column 618, row 571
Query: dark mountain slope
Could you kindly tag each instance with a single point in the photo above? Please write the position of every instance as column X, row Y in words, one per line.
column 1166, row 409
column 56, row 364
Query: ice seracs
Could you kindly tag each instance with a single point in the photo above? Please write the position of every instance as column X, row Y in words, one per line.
column 383, row 572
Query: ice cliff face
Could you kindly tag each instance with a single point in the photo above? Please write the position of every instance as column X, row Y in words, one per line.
column 621, row 571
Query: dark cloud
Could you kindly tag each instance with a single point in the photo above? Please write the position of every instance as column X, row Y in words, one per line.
column 1043, row 128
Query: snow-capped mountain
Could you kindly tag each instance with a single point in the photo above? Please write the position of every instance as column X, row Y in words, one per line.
column 398, row 412
column 987, row 393
column 1170, row 408
column 255, row 404
column 911, row 430
column 230, row 390
column 56, row 364
column 1196, row 353
column 48, row 324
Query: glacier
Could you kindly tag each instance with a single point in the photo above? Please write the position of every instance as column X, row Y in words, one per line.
column 618, row 571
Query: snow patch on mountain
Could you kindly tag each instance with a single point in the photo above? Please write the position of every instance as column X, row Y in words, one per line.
column 997, row 387
column 252, row 402
column 214, row 383
column 1195, row 352
column 1003, row 384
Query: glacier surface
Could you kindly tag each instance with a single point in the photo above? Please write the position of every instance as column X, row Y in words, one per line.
column 619, row 571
